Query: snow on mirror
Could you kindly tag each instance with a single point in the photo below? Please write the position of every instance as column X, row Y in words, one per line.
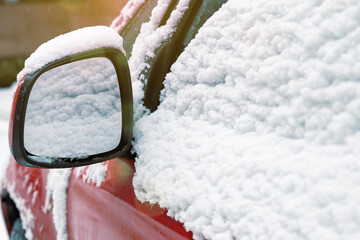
column 74, row 110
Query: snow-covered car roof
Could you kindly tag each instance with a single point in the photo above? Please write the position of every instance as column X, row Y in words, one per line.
column 258, row 128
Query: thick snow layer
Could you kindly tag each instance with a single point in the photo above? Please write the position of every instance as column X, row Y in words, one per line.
column 257, row 133
column 150, row 38
column 80, row 40
column 74, row 110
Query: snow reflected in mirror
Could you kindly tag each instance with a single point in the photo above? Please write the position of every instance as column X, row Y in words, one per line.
column 74, row 110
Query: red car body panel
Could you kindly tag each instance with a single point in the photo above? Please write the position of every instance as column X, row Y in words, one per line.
column 11, row 123
column 110, row 211
column 25, row 182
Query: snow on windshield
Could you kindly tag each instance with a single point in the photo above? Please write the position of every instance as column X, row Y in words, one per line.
column 258, row 128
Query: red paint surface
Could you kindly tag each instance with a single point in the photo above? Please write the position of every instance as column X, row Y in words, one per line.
column 13, row 107
column 6, row 216
column 110, row 211
column 27, row 181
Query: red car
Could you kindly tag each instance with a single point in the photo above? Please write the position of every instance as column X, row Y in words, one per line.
column 94, row 208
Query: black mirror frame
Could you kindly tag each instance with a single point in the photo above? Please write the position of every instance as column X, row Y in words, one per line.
column 21, row 97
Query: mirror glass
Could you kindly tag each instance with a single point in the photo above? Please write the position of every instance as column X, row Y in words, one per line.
column 74, row 110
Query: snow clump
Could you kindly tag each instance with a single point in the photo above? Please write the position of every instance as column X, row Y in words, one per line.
column 77, row 41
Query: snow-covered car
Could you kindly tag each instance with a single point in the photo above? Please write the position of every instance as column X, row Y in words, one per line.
column 254, row 134
column 98, row 201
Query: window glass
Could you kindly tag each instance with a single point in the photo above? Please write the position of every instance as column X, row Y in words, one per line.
column 207, row 9
column 132, row 29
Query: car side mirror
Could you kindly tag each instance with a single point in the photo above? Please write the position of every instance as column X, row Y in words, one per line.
column 73, row 111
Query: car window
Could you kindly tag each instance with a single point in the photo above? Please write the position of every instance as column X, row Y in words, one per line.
column 206, row 10
column 193, row 19
column 132, row 29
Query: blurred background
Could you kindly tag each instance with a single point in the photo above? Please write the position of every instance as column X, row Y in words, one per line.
column 26, row 24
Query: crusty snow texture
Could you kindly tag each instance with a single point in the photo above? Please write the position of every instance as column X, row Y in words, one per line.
column 77, row 41
column 258, row 130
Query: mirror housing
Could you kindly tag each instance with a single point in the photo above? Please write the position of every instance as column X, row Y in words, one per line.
column 21, row 98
